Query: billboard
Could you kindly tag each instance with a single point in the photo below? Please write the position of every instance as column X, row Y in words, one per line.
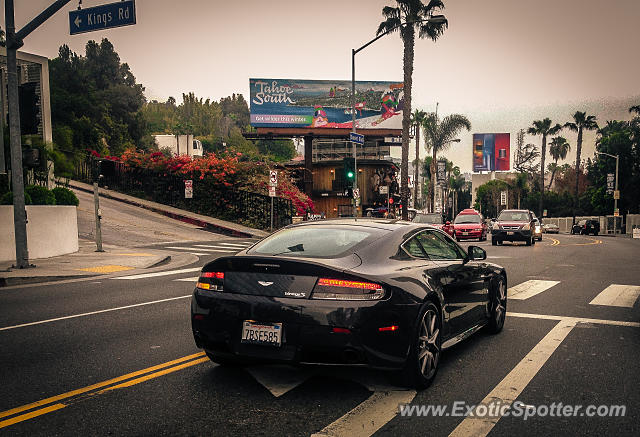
column 491, row 152
column 290, row 103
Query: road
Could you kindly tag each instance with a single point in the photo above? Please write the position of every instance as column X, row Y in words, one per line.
column 122, row 360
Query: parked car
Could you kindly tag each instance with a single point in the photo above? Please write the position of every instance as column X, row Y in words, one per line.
column 470, row 224
column 349, row 292
column 550, row 228
column 513, row 225
column 586, row 227
column 537, row 229
column 435, row 219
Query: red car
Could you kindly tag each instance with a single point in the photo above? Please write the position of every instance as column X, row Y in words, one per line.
column 434, row 219
column 469, row 224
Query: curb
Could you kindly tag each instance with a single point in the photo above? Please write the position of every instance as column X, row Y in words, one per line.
column 217, row 228
column 22, row 280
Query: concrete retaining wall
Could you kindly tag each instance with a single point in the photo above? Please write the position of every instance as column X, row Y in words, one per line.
column 51, row 231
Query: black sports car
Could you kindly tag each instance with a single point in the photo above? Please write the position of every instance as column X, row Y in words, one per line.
column 386, row 294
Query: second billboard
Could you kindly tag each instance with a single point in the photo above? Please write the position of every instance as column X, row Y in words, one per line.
column 491, row 152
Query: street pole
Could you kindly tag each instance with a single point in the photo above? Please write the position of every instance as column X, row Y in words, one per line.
column 353, row 129
column 615, row 200
column 271, row 228
column 19, row 212
column 98, row 215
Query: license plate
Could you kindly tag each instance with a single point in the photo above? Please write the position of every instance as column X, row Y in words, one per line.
column 465, row 233
column 261, row 333
column 510, row 233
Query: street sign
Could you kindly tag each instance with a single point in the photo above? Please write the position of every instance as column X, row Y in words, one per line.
column 384, row 189
column 188, row 189
column 410, row 181
column 544, row 213
column 610, row 183
column 616, row 195
column 356, row 138
column 503, row 198
column 636, row 232
column 442, row 172
column 273, row 178
column 393, row 140
column 356, row 193
column 616, row 212
column 272, row 191
column 102, row 17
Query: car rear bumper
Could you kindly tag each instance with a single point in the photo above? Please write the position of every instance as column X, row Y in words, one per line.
column 307, row 329
column 509, row 235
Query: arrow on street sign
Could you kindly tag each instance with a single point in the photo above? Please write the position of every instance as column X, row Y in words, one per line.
column 122, row 13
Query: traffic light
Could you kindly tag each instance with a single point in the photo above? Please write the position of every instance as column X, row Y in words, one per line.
column 349, row 169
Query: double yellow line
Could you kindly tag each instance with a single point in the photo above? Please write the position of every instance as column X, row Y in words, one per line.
column 51, row 404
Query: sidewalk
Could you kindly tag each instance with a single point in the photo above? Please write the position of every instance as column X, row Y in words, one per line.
column 114, row 261
column 216, row 225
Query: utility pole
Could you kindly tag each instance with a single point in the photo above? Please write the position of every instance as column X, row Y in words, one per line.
column 14, row 40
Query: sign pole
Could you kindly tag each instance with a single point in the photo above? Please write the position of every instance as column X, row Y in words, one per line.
column 271, row 228
column 353, row 127
column 96, row 205
column 615, row 200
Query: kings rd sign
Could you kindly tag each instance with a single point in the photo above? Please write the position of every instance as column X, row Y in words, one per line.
column 122, row 13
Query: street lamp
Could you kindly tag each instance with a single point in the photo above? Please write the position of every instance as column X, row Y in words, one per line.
column 615, row 200
column 436, row 19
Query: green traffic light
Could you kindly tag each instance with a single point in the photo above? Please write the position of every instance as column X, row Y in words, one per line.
column 350, row 174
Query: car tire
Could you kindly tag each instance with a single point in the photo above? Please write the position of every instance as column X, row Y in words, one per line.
column 426, row 347
column 529, row 242
column 223, row 360
column 494, row 242
column 498, row 306
column 540, row 239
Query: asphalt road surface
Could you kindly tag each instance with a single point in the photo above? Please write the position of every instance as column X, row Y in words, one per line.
column 116, row 357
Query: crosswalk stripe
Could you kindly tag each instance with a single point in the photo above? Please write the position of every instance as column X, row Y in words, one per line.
column 165, row 273
column 201, row 249
column 529, row 288
column 236, row 249
column 243, row 244
column 193, row 279
column 616, row 295
column 199, row 254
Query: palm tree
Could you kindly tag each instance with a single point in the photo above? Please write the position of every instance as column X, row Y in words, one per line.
column 417, row 118
column 544, row 128
column 407, row 17
column 580, row 122
column 439, row 136
column 558, row 148
column 635, row 109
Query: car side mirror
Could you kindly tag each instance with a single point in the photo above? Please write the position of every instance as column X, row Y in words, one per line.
column 476, row 253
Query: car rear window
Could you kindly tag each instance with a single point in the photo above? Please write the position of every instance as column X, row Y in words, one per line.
column 513, row 216
column 317, row 241
column 467, row 218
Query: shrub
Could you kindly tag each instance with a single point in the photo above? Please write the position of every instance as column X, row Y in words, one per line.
column 40, row 195
column 65, row 196
column 7, row 199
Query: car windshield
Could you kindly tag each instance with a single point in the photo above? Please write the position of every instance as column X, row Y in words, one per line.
column 428, row 218
column 467, row 218
column 314, row 241
column 513, row 216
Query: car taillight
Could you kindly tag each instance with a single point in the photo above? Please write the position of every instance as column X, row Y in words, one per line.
column 341, row 289
column 212, row 281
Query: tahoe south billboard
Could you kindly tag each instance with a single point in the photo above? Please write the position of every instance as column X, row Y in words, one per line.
column 294, row 103
column 491, row 152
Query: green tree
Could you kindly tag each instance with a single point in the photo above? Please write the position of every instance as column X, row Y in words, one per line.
column 408, row 17
column 558, row 148
column 544, row 128
column 581, row 121
column 439, row 135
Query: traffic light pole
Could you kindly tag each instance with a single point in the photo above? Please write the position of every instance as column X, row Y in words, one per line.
column 13, row 43
column 353, row 129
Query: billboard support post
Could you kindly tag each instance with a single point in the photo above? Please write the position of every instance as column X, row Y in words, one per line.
column 353, row 127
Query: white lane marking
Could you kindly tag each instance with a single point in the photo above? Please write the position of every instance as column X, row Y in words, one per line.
column 6, row 328
column 508, row 390
column 201, row 249
column 199, row 254
column 279, row 379
column 243, row 244
column 224, row 248
column 165, row 273
column 529, row 288
column 577, row 319
column 498, row 257
column 616, row 295
column 193, row 279
column 369, row 416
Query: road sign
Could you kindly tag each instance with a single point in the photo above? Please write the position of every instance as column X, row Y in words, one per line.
column 442, row 172
column 384, row 189
column 544, row 213
column 102, row 17
column 393, row 140
column 272, row 191
column 616, row 195
column 356, row 193
column 188, row 189
column 636, row 232
column 273, row 178
column 610, row 183
column 356, row 138
column 616, row 212
column 503, row 198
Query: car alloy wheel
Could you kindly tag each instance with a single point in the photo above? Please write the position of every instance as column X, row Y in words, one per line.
column 498, row 307
column 422, row 364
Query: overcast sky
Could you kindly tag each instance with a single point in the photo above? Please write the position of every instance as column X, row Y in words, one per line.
column 503, row 63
